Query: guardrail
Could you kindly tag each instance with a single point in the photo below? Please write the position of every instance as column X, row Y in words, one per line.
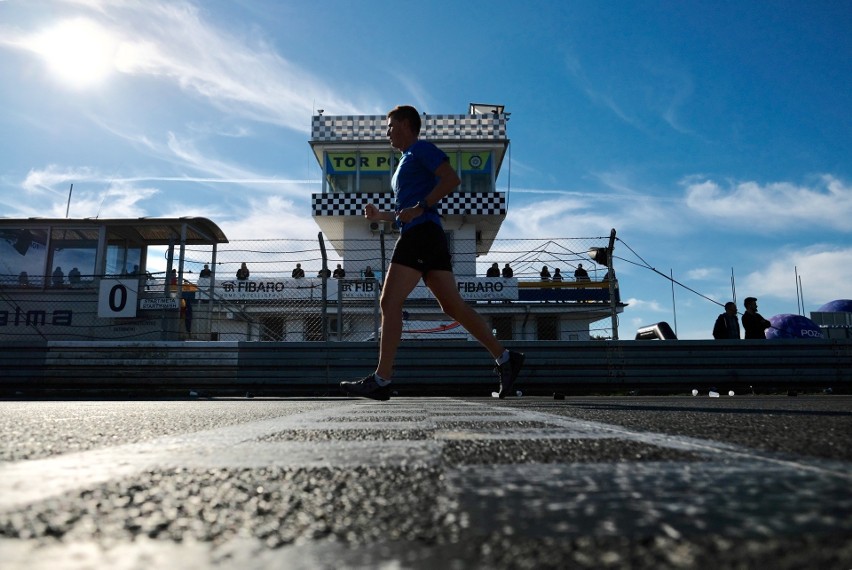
column 152, row 369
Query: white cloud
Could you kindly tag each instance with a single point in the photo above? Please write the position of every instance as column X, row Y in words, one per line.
column 652, row 306
column 218, row 170
column 243, row 76
column 703, row 273
column 48, row 192
column 271, row 217
column 600, row 96
column 825, row 271
column 47, row 180
column 99, row 194
column 564, row 212
column 118, row 201
column 566, row 216
column 750, row 206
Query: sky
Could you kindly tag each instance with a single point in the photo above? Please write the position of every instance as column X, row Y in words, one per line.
column 714, row 136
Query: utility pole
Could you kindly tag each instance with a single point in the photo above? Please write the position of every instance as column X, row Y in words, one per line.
column 613, row 304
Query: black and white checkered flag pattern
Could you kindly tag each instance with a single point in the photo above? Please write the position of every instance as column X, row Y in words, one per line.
column 366, row 128
column 457, row 204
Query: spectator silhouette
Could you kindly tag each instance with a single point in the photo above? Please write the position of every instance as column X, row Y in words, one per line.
column 581, row 274
column 753, row 323
column 368, row 273
column 545, row 274
column 507, row 271
column 243, row 272
column 726, row 325
column 74, row 276
column 298, row 272
column 58, row 277
column 557, row 276
column 493, row 271
column 205, row 272
column 339, row 272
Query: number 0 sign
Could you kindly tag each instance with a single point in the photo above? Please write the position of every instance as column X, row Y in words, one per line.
column 117, row 298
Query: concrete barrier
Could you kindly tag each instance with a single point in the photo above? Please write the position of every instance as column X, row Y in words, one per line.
column 151, row 368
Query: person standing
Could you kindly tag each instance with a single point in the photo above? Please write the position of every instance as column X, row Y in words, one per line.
column 726, row 325
column 507, row 271
column 423, row 178
column 753, row 323
column 243, row 272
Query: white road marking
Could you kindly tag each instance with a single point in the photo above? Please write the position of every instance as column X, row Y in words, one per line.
column 27, row 482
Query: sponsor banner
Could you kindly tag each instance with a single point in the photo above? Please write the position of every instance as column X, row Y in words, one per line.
column 489, row 288
column 349, row 162
column 472, row 161
column 158, row 303
column 380, row 162
column 471, row 288
column 35, row 316
column 477, row 289
column 301, row 289
column 270, row 289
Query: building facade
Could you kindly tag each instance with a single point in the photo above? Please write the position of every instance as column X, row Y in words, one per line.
column 337, row 298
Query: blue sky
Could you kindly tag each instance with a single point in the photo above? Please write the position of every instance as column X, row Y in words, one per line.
column 714, row 136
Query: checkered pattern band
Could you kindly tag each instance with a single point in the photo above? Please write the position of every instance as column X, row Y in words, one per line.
column 456, row 204
column 366, row 128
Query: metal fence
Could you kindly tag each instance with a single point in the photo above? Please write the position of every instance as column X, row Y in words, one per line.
column 286, row 297
column 276, row 306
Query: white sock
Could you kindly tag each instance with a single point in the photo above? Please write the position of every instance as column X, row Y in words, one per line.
column 503, row 358
column 381, row 381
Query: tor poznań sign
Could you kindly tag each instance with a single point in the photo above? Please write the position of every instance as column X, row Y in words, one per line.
column 471, row 289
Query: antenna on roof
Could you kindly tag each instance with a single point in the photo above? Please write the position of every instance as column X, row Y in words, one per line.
column 101, row 207
column 68, row 206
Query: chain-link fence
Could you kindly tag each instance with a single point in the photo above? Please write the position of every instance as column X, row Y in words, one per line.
column 526, row 289
column 274, row 290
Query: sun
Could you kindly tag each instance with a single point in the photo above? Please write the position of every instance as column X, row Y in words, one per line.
column 79, row 52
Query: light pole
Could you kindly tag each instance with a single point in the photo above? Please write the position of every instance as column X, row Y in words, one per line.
column 603, row 256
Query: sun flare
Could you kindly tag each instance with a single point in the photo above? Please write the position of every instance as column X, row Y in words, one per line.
column 79, row 52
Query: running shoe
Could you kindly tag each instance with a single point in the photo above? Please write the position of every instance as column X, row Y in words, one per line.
column 366, row 387
column 507, row 373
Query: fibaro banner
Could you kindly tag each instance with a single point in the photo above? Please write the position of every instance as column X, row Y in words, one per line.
column 471, row 288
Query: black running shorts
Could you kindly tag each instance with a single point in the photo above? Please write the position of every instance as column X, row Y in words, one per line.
column 424, row 248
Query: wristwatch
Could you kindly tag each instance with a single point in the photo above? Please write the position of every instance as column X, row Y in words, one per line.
column 422, row 204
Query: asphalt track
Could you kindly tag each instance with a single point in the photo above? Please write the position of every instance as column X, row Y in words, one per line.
column 603, row 482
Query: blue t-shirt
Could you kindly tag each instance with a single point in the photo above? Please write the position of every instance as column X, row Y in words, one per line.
column 415, row 178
